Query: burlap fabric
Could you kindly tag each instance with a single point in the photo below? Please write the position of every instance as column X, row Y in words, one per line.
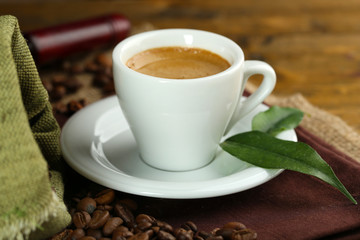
column 30, row 199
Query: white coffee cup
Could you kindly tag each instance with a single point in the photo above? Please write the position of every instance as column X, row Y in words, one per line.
column 178, row 124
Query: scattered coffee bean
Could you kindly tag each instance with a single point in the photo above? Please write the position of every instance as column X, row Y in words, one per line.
column 72, row 84
column 121, row 232
column 77, row 234
column 103, row 60
column 87, row 238
column 77, row 68
column 105, row 197
column 235, row 225
column 226, row 233
column 103, row 216
column 165, row 226
column 58, row 92
column 129, row 203
column 96, row 233
column 182, row 234
column 189, row 226
column 74, row 106
column 163, row 235
column 86, row 204
column 58, row 79
column 105, row 207
column 92, row 67
column 81, row 219
column 244, row 234
column 98, row 219
column 100, row 80
column 111, row 224
column 125, row 214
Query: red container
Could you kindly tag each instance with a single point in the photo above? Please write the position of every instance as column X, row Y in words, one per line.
column 60, row 41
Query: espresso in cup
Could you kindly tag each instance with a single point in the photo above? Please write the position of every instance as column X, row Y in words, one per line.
column 178, row 62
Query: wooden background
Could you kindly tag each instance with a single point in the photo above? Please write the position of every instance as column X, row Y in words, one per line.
column 314, row 45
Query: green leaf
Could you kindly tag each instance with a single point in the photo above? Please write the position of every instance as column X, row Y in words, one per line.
column 263, row 150
column 277, row 119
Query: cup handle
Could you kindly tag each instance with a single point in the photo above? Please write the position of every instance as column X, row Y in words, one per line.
column 252, row 67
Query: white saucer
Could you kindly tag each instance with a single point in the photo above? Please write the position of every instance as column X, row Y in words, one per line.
column 98, row 143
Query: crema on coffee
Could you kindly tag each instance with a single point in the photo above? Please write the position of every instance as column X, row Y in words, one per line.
column 178, row 62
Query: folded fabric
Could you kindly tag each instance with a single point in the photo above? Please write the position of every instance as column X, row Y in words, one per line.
column 291, row 206
column 29, row 145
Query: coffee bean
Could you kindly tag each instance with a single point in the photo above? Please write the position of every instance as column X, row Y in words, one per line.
column 87, row 238
column 125, row 214
column 182, row 234
column 156, row 229
column 189, row 225
column 77, row 234
column 74, row 106
column 105, row 207
column 92, row 67
column 140, row 236
column 66, row 65
column 203, row 234
column 100, row 80
column 99, row 218
column 226, row 233
column 103, row 60
column 109, row 88
column 76, row 68
column 234, row 225
column 58, row 79
column 215, row 238
column 143, row 226
column 96, row 233
column 144, row 218
column 111, row 224
column 105, row 197
column 86, row 204
column 120, row 233
column 108, row 72
column 129, row 203
column 244, row 234
column 144, row 222
column 165, row 226
column 81, row 219
column 59, row 107
column 163, row 235
column 72, row 84
column 58, row 92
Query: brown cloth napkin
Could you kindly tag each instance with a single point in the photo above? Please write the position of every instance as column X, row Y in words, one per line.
column 291, row 206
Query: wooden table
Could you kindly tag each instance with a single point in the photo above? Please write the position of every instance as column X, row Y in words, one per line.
column 314, row 46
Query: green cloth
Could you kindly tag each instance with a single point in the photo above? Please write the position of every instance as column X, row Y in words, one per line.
column 31, row 187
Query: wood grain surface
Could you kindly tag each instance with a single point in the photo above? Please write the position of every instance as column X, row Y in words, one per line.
column 314, row 46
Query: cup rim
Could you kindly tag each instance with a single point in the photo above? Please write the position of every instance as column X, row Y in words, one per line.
column 119, row 49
